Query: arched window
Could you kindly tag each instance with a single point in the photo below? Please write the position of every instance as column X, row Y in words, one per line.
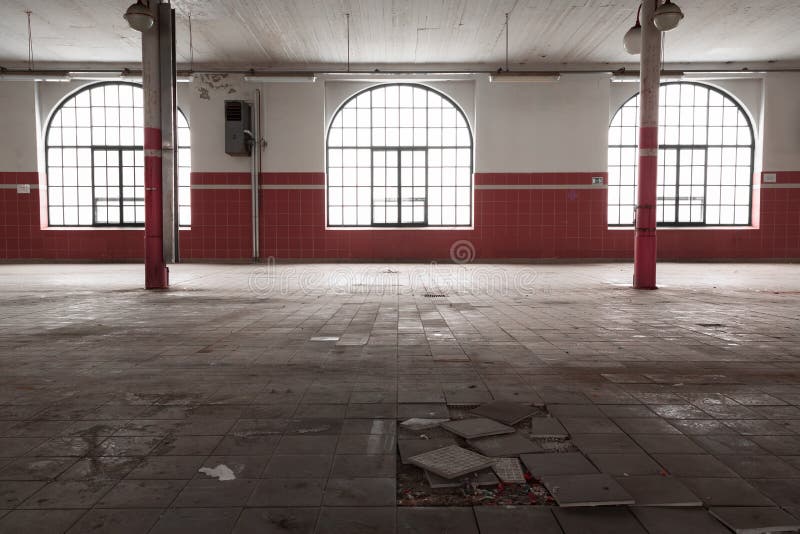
column 95, row 159
column 705, row 159
column 399, row 155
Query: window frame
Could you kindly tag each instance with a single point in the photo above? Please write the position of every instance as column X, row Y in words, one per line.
column 677, row 147
column 399, row 148
column 120, row 148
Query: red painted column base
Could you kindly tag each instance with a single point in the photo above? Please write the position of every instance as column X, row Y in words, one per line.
column 156, row 273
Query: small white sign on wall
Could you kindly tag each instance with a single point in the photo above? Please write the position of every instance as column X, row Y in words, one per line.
column 597, row 180
column 23, row 189
column 770, row 178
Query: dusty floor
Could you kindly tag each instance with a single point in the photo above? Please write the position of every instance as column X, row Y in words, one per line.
column 112, row 398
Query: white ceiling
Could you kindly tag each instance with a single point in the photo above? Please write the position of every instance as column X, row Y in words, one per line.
column 311, row 33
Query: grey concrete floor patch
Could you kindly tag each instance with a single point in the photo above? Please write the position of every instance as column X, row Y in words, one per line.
column 656, row 490
column 509, row 470
column 756, row 520
column 678, row 520
column 508, row 413
column 548, row 427
column 413, row 447
column 516, row 520
column 477, row 427
column 505, row 445
column 586, row 490
column 558, row 463
column 451, row 462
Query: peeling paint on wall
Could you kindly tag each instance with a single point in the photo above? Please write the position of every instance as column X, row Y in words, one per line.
column 205, row 83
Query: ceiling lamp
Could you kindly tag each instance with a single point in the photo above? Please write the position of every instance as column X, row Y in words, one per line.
column 633, row 39
column 139, row 17
column 667, row 16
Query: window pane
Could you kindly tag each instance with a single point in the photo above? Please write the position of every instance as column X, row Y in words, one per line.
column 694, row 184
column 390, row 181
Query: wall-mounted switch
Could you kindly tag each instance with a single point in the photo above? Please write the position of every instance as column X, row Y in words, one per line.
column 597, row 180
column 23, row 189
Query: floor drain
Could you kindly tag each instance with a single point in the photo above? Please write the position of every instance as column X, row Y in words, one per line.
column 434, row 295
column 710, row 325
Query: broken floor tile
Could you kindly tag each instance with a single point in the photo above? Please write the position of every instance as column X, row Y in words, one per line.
column 508, row 413
column 586, row 490
column 505, row 445
column 558, row 463
column 451, row 462
column 477, row 427
column 509, row 470
column 413, row 447
column 548, row 427
column 480, row 478
column 418, row 423
column 756, row 520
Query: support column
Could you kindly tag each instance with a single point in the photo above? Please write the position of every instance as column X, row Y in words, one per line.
column 156, row 272
column 644, row 250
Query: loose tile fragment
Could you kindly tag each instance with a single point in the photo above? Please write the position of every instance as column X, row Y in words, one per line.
column 509, row 470
column 480, row 478
column 451, row 462
column 508, row 413
column 477, row 427
column 559, row 463
column 505, row 445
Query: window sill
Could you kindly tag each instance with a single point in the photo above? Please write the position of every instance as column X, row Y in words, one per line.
column 683, row 228
column 395, row 228
column 101, row 228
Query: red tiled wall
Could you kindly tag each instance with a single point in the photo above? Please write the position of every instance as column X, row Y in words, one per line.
column 542, row 218
column 22, row 237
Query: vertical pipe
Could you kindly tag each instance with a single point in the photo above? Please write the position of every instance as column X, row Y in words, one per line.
column 644, row 250
column 256, row 173
column 156, row 272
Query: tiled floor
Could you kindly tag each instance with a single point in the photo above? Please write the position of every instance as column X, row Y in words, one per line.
column 112, row 398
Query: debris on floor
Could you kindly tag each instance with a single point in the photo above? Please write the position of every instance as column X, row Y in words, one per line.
column 222, row 472
column 419, row 423
column 474, row 457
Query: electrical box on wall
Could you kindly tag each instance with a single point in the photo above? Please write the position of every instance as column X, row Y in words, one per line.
column 238, row 133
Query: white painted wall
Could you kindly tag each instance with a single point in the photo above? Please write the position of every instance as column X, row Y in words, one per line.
column 206, row 103
column 293, row 127
column 782, row 122
column 543, row 126
column 18, row 127
column 530, row 127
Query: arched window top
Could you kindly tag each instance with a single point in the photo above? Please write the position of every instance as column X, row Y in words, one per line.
column 95, row 162
column 706, row 152
column 399, row 155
